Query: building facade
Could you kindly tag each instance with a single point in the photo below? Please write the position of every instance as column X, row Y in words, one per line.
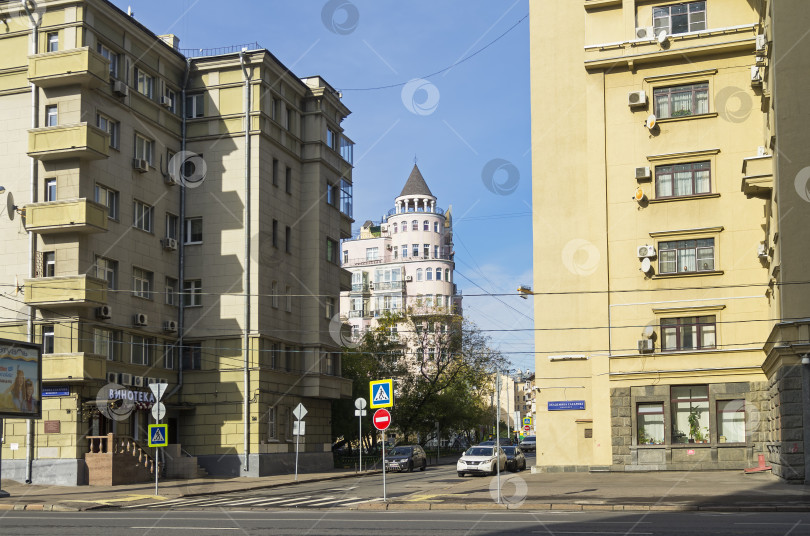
column 670, row 275
column 403, row 264
column 154, row 240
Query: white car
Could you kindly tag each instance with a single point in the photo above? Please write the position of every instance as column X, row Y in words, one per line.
column 483, row 460
column 529, row 443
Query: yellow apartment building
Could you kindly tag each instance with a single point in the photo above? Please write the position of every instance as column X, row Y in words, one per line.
column 170, row 216
column 671, row 224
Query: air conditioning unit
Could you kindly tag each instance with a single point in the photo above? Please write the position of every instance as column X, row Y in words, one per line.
column 103, row 312
column 139, row 381
column 645, row 346
column 168, row 180
column 384, row 228
column 408, row 278
column 150, row 380
column 760, row 61
column 141, row 319
column 762, row 43
column 170, row 326
column 169, row 244
column 637, row 98
column 643, row 173
column 645, row 252
column 166, row 101
column 756, row 76
column 140, row 164
column 762, row 251
column 126, row 379
column 112, row 377
column 120, row 88
column 645, row 32
column 389, row 247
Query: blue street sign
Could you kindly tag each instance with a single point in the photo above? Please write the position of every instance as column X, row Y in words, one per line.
column 58, row 390
column 562, row 405
column 158, row 435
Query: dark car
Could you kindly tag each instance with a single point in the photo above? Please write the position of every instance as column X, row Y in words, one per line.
column 505, row 441
column 406, row 458
column 515, row 460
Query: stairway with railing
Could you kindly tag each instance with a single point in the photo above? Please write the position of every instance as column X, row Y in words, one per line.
column 118, row 459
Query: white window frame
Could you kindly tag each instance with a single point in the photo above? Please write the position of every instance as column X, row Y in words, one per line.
column 110, row 200
column 141, row 347
column 142, row 283
column 188, row 230
column 111, row 56
column 172, row 222
column 171, row 288
column 107, row 269
column 52, row 39
column 48, row 339
column 143, row 216
column 104, row 343
column 144, row 83
column 50, row 189
column 144, row 148
column 192, row 293
column 111, row 127
column 51, row 115
column 195, row 106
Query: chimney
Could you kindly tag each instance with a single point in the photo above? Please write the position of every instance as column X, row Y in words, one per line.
column 171, row 40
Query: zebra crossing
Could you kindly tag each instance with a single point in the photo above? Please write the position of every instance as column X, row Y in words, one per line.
column 266, row 501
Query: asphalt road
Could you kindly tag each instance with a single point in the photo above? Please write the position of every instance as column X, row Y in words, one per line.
column 340, row 522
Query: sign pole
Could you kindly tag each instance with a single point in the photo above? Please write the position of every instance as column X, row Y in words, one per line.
column 2, row 493
column 360, row 440
column 498, row 433
column 297, row 437
column 383, row 464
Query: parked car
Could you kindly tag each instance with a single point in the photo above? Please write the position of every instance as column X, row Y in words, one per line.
column 515, row 460
column 505, row 441
column 529, row 443
column 481, row 460
column 406, row 458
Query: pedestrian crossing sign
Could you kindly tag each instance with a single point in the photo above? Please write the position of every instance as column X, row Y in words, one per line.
column 158, row 435
column 382, row 394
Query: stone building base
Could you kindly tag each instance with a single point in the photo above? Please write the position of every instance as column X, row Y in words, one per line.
column 266, row 464
column 60, row 472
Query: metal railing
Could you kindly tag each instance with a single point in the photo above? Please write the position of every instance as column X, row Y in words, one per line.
column 206, row 52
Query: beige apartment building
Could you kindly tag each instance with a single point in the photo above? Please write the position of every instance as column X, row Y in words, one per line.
column 671, row 220
column 167, row 245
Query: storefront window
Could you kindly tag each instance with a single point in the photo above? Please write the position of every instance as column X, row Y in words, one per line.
column 650, row 419
column 731, row 421
column 690, row 414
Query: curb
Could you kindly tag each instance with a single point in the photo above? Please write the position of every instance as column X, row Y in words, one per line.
column 571, row 507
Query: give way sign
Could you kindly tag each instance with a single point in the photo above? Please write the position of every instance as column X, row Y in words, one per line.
column 382, row 419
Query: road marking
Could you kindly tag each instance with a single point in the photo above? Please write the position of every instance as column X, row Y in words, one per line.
column 585, row 532
column 187, row 528
column 280, row 500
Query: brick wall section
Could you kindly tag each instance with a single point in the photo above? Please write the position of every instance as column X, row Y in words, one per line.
column 621, row 425
column 785, row 444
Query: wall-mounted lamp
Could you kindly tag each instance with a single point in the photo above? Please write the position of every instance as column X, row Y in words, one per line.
column 806, row 359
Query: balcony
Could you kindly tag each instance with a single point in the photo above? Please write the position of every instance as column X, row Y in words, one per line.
column 61, row 142
column 757, row 176
column 66, row 291
column 74, row 367
column 66, row 216
column 323, row 386
column 78, row 66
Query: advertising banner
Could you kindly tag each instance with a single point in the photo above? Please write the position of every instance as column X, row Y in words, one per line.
column 20, row 380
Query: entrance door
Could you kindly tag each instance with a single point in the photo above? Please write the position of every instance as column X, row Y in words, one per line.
column 174, row 437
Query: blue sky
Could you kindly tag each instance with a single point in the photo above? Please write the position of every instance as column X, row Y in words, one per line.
column 467, row 126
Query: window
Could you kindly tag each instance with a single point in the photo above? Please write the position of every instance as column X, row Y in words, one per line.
column 107, row 269
column 275, row 172
column 47, row 339
column 415, row 250
column 372, row 254
column 288, row 239
column 680, row 18
column 142, row 283
column 331, row 362
column 53, row 41
column 290, row 118
column 170, row 356
column 426, row 225
column 104, row 343
column 690, row 413
column 731, row 421
column 142, row 218
column 142, row 350
column 347, row 149
column 686, row 256
column 274, row 294
column 171, row 291
column 51, row 115
column 332, row 250
column 50, row 189
column 426, row 251
column 331, row 194
column 650, row 420
column 191, row 355
column 435, row 227
column 192, row 293
column 272, row 430
column 110, row 55
column 688, row 333
column 171, row 96
column 111, row 127
column 275, row 108
column 195, row 106
column 330, row 307
column 419, row 274
column 288, row 180
column 345, row 256
column 274, row 235
column 193, row 231
column 275, row 355
column 447, row 275
column 681, row 101
column 288, row 294
column 404, row 227
column 683, row 179
column 429, row 274
column 332, row 138
column 404, row 251
column 144, row 83
column 144, row 148
column 438, row 274
column 172, row 221
column 108, row 198
column 415, row 225
column 48, row 263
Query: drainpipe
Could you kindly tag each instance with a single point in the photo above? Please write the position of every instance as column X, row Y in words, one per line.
column 246, row 338
column 181, row 312
column 32, row 245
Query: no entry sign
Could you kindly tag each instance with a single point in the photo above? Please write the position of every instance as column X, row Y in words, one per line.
column 382, row 419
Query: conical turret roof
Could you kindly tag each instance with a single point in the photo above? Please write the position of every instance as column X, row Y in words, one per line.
column 416, row 184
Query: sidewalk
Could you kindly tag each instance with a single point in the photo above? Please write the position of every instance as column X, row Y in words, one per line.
column 656, row 491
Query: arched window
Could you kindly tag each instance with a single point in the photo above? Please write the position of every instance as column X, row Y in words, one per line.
column 426, row 225
column 395, row 227
column 438, row 274
column 435, row 227
column 429, row 274
column 419, row 274
column 404, row 226
column 415, row 225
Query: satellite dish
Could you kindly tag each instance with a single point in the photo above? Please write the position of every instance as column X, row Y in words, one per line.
column 10, row 207
column 651, row 121
column 648, row 332
column 639, row 195
column 646, row 266
column 662, row 37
